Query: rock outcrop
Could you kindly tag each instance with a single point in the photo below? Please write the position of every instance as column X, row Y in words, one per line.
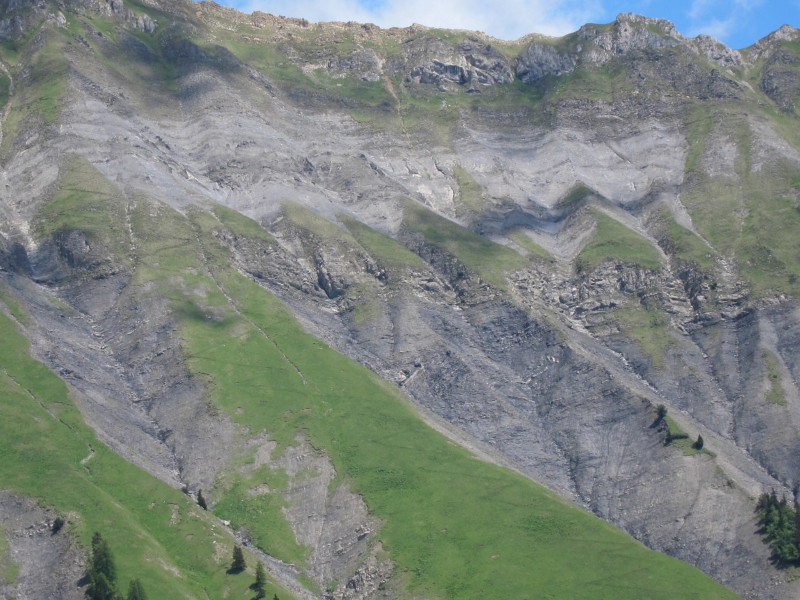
column 503, row 312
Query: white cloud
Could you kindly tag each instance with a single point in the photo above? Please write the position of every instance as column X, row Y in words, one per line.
column 700, row 8
column 508, row 19
column 721, row 19
column 718, row 28
column 748, row 5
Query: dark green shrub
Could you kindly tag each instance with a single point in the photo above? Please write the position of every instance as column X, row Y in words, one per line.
column 58, row 525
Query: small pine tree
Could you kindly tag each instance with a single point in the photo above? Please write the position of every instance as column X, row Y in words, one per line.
column 100, row 588
column 698, row 444
column 201, row 502
column 763, row 503
column 102, row 573
column 261, row 582
column 797, row 524
column 102, row 560
column 238, row 565
column 136, row 591
column 58, row 525
column 661, row 411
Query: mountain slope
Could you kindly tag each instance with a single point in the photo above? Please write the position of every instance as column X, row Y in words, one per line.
column 538, row 241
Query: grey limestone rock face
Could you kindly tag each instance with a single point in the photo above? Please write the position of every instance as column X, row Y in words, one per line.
column 629, row 33
column 13, row 257
column 47, row 564
column 718, row 52
column 333, row 521
column 540, row 60
column 146, row 24
column 436, row 72
column 771, row 42
column 538, row 373
column 364, row 63
column 473, row 62
column 780, row 80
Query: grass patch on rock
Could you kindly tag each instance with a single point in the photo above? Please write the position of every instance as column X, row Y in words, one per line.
column 261, row 515
column 574, row 197
column 13, row 305
column 87, row 202
column 387, row 251
column 733, row 215
column 649, row 328
column 38, row 93
column 519, row 237
column 490, row 260
column 321, row 227
column 732, row 211
column 678, row 438
column 775, row 392
column 5, row 89
column 8, row 569
column 241, row 224
column 685, row 245
column 470, row 192
column 614, row 241
column 771, row 262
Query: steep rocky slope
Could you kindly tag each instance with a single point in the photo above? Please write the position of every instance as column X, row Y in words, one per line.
column 537, row 241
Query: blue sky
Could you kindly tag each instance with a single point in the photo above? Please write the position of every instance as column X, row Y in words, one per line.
column 738, row 23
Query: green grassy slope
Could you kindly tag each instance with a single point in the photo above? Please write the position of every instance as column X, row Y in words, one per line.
column 734, row 212
column 685, row 245
column 156, row 533
column 614, row 241
column 40, row 76
column 456, row 527
column 488, row 259
column 390, row 253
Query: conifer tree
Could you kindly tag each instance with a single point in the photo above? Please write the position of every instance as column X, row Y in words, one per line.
column 781, row 524
column 797, row 524
column 58, row 525
column 100, row 588
column 238, row 564
column 261, row 581
column 136, row 591
column 102, row 572
column 102, row 560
